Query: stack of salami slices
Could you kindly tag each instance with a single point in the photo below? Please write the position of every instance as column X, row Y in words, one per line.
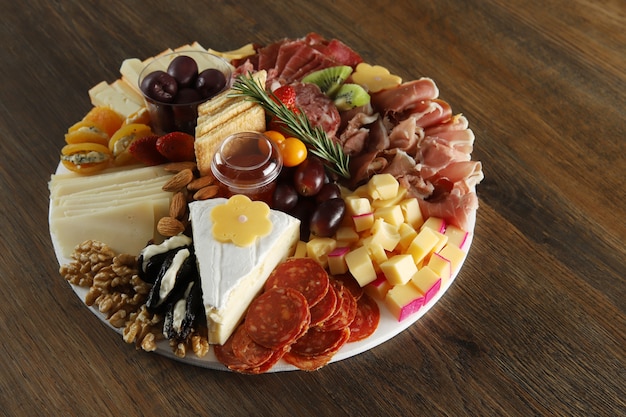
column 304, row 316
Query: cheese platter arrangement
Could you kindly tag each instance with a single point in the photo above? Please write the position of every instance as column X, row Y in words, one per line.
column 276, row 207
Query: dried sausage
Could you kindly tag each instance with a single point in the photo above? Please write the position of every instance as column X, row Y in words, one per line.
column 302, row 274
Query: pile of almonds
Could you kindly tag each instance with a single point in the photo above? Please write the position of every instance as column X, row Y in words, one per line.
column 187, row 185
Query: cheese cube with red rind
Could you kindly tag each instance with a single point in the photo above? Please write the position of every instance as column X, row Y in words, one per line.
column 399, row 269
column 403, row 301
column 382, row 187
column 363, row 221
column 457, row 236
column 454, row 254
column 412, row 212
column 390, row 214
column 360, row 265
column 319, row 248
column 337, row 260
column 378, row 288
column 407, row 234
column 423, row 244
column 435, row 223
column 385, row 234
column 427, row 281
column 441, row 266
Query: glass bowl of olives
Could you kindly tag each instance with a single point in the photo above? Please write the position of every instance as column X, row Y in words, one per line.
column 174, row 84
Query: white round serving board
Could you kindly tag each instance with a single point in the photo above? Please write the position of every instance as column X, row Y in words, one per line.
column 388, row 327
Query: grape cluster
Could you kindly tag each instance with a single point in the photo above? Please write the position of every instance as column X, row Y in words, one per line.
column 306, row 193
column 182, row 83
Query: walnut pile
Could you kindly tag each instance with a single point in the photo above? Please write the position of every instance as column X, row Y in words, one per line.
column 117, row 291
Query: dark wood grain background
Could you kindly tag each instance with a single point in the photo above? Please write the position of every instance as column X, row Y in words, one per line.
column 535, row 323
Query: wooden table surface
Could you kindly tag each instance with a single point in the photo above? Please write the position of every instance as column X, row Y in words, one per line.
column 535, row 323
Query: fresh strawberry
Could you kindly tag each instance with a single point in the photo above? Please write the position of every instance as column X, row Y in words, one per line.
column 176, row 146
column 145, row 150
column 286, row 95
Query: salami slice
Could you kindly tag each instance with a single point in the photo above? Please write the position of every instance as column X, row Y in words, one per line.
column 225, row 354
column 345, row 312
column 247, row 350
column 350, row 283
column 323, row 310
column 316, row 342
column 302, row 274
column 307, row 363
column 366, row 320
column 277, row 317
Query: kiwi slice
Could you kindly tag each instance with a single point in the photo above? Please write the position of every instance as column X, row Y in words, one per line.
column 350, row 96
column 329, row 79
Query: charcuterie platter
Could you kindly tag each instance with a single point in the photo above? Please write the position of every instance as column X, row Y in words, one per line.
column 276, row 207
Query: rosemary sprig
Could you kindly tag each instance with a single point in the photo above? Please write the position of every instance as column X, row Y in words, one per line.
column 296, row 124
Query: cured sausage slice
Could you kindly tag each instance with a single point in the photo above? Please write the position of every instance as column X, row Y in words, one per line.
column 302, row 274
column 366, row 320
column 247, row 350
column 345, row 311
column 316, row 342
column 224, row 353
column 307, row 363
column 351, row 284
column 277, row 317
column 323, row 310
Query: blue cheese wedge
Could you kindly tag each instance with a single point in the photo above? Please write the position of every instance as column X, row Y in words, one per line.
column 233, row 275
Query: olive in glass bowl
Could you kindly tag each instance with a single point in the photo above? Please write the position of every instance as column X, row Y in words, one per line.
column 173, row 85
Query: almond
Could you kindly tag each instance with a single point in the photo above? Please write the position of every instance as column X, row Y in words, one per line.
column 179, row 181
column 169, row 226
column 178, row 205
column 179, row 166
column 207, row 192
column 201, row 182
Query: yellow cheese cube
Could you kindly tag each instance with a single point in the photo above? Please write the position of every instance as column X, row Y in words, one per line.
column 435, row 223
column 407, row 234
column 356, row 205
column 396, row 199
column 376, row 251
column 362, row 191
column 378, row 288
column 382, row 187
column 319, row 248
column 403, row 301
column 385, row 234
column 346, row 234
column 399, row 269
column 412, row 212
column 360, row 266
column 453, row 254
column 441, row 266
column 300, row 251
column 337, row 260
column 363, row 221
column 442, row 239
column 391, row 214
column 427, row 281
column 422, row 245
column 457, row 236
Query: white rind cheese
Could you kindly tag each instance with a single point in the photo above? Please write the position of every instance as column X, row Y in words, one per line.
column 232, row 275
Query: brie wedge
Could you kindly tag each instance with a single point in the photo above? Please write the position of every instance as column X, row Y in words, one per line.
column 233, row 275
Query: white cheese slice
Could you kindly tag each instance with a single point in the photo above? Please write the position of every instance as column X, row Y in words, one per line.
column 232, row 275
column 126, row 229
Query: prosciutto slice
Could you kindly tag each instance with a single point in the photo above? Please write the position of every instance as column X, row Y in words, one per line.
column 406, row 96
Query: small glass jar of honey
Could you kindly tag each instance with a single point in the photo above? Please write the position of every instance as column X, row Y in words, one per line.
column 247, row 163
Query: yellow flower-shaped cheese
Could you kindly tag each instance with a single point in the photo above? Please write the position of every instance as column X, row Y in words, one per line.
column 375, row 78
column 241, row 220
